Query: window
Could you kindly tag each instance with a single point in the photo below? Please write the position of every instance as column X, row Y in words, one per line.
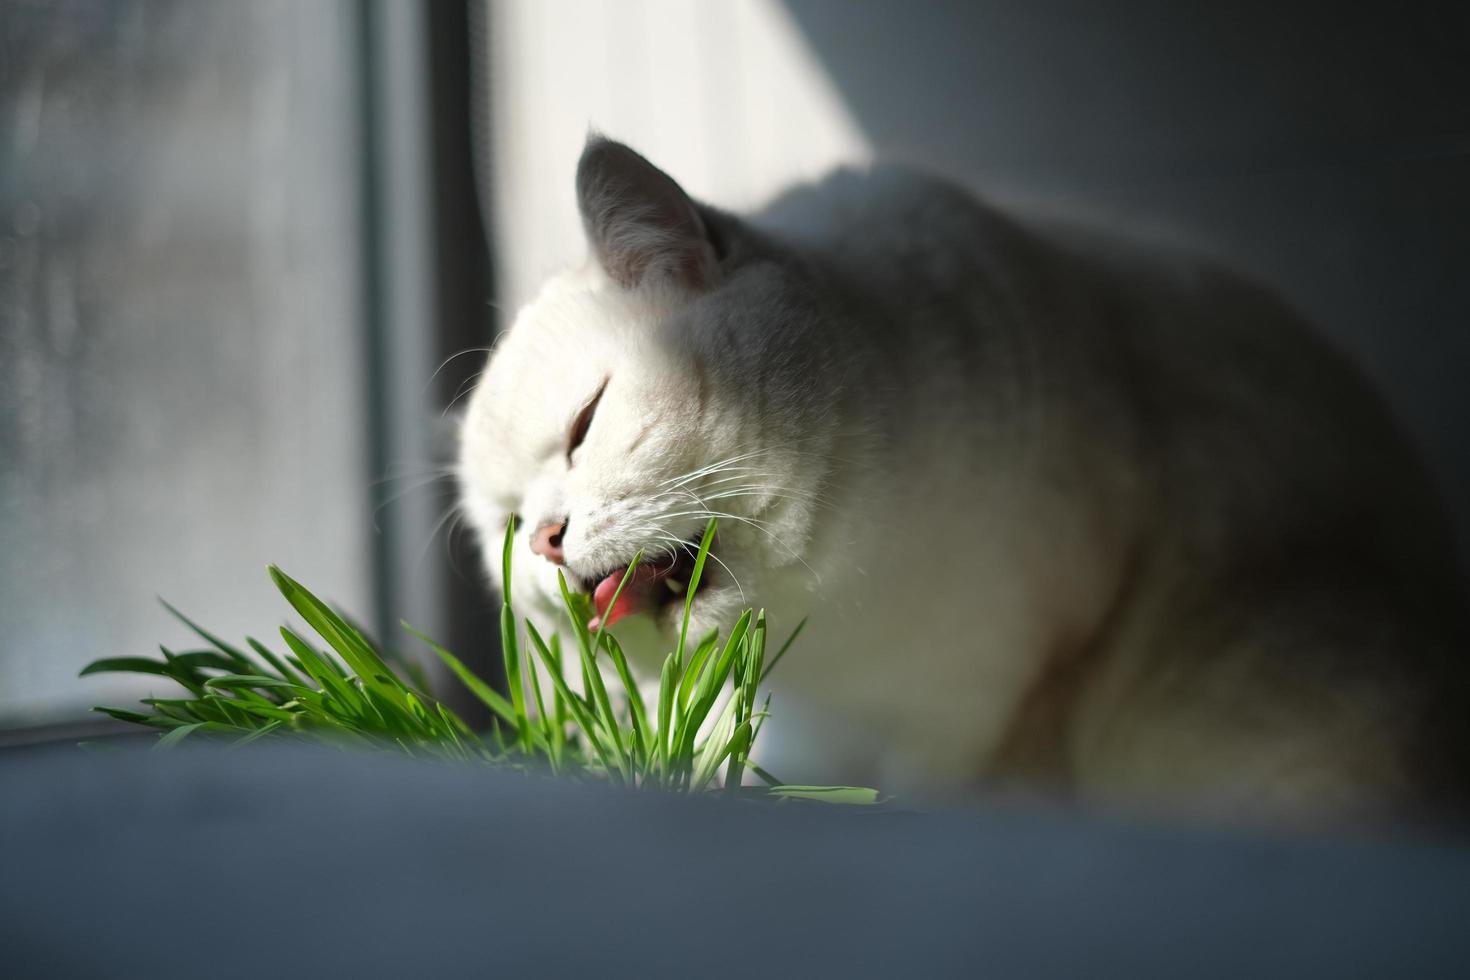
column 181, row 341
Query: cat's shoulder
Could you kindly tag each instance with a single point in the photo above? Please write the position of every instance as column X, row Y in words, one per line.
column 880, row 182
column 892, row 198
column 880, row 207
column 864, row 191
column 887, row 214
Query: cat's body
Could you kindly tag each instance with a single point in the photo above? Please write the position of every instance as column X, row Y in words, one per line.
column 1058, row 512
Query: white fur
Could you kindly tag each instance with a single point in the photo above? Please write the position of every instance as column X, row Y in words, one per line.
column 881, row 556
column 938, row 435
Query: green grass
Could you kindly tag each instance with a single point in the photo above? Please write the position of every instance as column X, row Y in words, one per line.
column 338, row 688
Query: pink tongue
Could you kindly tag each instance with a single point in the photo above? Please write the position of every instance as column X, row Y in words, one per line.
column 635, row 598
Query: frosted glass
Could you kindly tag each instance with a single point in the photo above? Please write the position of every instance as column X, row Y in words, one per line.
column 181, row 364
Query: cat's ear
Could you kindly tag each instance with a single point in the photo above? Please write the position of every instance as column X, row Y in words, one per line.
column 640, row 224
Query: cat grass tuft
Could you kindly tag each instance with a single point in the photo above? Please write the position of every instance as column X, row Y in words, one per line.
column 338, row 688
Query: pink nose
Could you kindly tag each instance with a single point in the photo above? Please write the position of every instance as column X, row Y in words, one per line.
column 546, row 542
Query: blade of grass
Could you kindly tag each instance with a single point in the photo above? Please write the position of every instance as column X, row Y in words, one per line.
column 511, row 524
column 269, row 728
column 177, row 735
column 491, row 698
column 252, row 681
column 555, row 725
column 760, row 718
column 782, row 652
column 636, row 707
column 709, row 755
column 346, row 641
column 138, row 718
column 510, row 652
column 126, row 665
column 691, row 675
column 755, row 653
column 276, row 662
column 197, row 660
column 850, row 795
column 592, row 678
column 319, row 669
column 736, row 751
column 585, row 720
column 693, row 584
column 543, row 724
column 554, row 648
column 234, row 653
column 617, row 593
column 687, row 729
column 710, row 682
column 665, row 712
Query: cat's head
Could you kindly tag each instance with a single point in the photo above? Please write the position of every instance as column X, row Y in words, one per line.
column 678, row 374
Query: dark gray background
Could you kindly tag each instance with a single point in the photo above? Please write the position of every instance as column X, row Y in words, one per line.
column 1324, row 148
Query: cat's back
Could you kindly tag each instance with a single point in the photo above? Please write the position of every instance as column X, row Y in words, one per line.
column 1253, row 472
column 1292, row 542
column 891, row 222
column 1212, row 381
column 1252, row 428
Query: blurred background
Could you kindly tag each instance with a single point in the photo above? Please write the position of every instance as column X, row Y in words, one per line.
column 242, row 243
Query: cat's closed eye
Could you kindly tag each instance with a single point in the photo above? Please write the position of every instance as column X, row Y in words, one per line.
column 583, row 422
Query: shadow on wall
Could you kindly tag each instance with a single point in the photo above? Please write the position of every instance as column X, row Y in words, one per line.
column 1324, row 149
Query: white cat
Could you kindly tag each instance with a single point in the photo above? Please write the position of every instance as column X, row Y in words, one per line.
column 1064, row 513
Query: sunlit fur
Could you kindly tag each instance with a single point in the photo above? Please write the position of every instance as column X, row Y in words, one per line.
column 1062, row 513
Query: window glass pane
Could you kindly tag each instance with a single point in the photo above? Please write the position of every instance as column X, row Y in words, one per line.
column 181, row 366
column 728, row 97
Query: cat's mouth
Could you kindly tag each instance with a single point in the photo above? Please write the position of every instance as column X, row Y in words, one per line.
column 653, row 586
